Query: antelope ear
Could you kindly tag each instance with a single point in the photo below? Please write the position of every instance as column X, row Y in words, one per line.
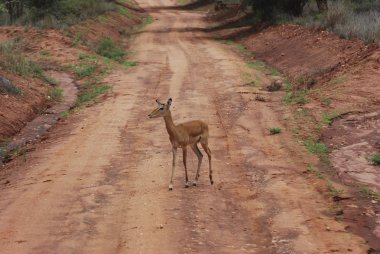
column 158, row 102
column 169, row 103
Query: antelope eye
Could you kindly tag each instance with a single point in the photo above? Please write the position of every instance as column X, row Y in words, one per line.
column 161, row 109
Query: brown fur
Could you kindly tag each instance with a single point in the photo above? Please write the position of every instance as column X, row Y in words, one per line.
column 183, row 135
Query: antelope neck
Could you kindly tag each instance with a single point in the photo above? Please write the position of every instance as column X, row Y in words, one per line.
column 170, row 127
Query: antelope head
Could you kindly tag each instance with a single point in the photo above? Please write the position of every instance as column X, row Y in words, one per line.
column 161, row 110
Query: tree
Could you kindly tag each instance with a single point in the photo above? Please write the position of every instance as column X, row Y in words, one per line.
column 293, row 7
column 14, row 9
column 322, row 5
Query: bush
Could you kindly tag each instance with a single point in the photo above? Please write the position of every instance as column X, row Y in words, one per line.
column 274, row 130
column 57, row 13
column 347, row 18
column 107, row 48
column 375, row 159
column 365, row 25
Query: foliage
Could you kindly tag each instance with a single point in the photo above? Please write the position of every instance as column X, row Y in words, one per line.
column 108, row 48
column 90, row 92
column 56, row 94
column 315, row 147
column 84, row 69
column 53, row 12
column 129, row 64
column 274, row 130
column 375, row 159
column 296, row 97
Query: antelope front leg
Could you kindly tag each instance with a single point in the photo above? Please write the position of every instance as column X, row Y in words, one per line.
column 174, row 149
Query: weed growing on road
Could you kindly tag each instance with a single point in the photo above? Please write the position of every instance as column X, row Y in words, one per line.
column 274, row 130
column 90, row 92
column 375, row 159
column 129, row 64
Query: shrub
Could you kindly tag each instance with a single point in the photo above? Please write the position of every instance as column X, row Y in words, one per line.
column 375, row 159
column 90, row 92
column 84, row 69
column 108, row 48
column 274, row 130
column 56, row 94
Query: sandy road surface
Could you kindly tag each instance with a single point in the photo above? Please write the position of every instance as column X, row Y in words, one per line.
column 100, row 185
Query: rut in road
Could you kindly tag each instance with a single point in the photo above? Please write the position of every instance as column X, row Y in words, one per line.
column 103, row 187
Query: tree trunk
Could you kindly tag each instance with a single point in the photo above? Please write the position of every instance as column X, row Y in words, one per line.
column 322, row 5
column 14, row 8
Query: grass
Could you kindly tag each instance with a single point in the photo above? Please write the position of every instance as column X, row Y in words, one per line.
column 85, row 69
column 296, row 97
column 13, row 61
column 90, row 92
column 375, row 159
column 257, row 65
column 326, row 101
column 129, row 64
column 126, row 12
column 148, row 20
column 78, row 39
column 369, row 193
column 315, row 147
column 87, row 56
column 347, row 18
column 56, row 94
column 333, row 190
column 45, row 53
column 328, row 118
column 64, row 114
column 241, row 48
column 314, row 171
column 108, row 48
column 227, row 42
column 274, row 131
column 339, row 80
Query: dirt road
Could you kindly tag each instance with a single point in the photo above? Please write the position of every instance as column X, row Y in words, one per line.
column 99, row 184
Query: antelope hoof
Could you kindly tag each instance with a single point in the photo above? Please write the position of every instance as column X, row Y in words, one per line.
column 195, row 183
column 170, row 187
column 187, row 185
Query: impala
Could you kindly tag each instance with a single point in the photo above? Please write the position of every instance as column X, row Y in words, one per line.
column 184, row 135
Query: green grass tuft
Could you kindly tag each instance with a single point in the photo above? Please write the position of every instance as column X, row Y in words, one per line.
column 129, row 64
column 375, row 159
column 108, row 48
column 274, row 130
